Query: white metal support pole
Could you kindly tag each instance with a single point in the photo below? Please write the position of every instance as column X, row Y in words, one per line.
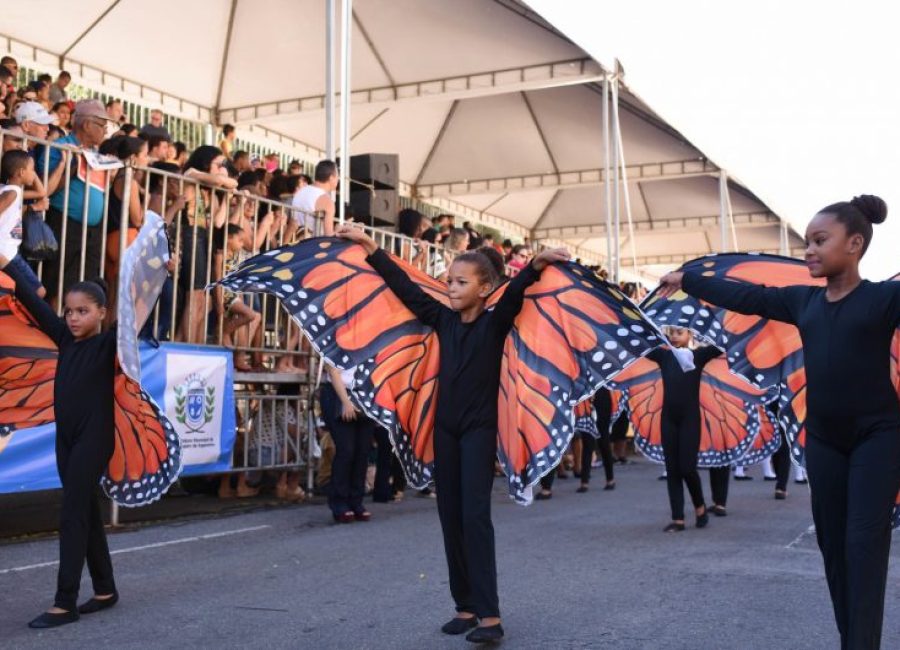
column 723, row 212
column 346, row 34
column 626, row 195
column 784, row 240
column 615, row 165
column 606, row 171
column 330, row 95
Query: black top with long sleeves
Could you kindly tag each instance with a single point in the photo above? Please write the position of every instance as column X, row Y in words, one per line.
column 681, row 389
column 846, row 347
column 469, row 375
column 83, row 388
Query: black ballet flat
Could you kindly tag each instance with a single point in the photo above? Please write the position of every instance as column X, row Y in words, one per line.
column 487, row 634
column 703, row 520
column 769, row 478
column 610, row 486
column 673, row 528
column 47, row 619
column 459, row 625
column 582, row 489
column 780, row 495
column 543, row 496
column 96, row 604
column 743, row 478
column 719, row 511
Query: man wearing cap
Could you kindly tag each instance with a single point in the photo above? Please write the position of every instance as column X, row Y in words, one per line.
column 34, row 119
column 83, row 203
column 35, row 122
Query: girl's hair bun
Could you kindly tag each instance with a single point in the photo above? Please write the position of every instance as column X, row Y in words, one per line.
column 873, row 208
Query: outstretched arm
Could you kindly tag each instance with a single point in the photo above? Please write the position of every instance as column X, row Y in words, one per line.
column 777, row 303
column 426, row 309
column 51, row 324
column 510, row 303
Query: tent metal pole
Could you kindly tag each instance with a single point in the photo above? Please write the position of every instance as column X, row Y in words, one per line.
column 346, row 37
column 330, row 97
column 617, row 217
column 723, row 212
column 606, row 170
column 784, row 245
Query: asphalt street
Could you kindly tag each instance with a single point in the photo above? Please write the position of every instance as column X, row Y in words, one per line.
column 579, row 571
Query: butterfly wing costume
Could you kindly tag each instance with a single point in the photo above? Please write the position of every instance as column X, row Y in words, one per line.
column 765, row 352
column 146, row 457
column 571, row 335
column 733, row 418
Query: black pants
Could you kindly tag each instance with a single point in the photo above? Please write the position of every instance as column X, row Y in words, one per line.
column 383, row 462
column 853, row 492
column 718, row 484
column 464, row 476
column 781, row 463
column 588, row 442
column 619, row 431
column 81, row 460
column 71, row 265
column 681, row 443
column 352, row 441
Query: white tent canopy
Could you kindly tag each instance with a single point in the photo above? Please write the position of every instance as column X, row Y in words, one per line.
column 485, row 103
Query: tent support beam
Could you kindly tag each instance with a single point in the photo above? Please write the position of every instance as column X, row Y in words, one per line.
column 686, row 224
column 544, row 213
column 87, row 31
column 434, row 145
column 228, row 32
column 570, row 179
column 375, row 52
column 681, row 258
column 479, row 84
column 372, row 121
column 540, row 131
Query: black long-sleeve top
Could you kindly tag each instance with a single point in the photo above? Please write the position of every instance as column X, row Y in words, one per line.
column 681, row 389
column 846, row 347
column 469, row 375
column 83, row 388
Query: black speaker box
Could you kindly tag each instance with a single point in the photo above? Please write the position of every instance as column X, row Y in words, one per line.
column 378, row 169
column 374, row 206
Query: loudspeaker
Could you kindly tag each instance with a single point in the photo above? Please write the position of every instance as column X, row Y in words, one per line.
column 378, row 205
column 378, row 169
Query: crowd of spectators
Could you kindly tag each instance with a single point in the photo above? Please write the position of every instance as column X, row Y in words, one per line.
column 222, row 205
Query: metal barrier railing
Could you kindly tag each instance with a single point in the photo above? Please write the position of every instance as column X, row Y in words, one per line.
column 198, row 207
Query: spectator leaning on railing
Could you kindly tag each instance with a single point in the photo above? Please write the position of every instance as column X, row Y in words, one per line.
column 85, row 185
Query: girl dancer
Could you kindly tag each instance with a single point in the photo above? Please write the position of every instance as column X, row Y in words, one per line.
column 853, row 415
column 83, row 404
column 465, row 436
column 681, row 425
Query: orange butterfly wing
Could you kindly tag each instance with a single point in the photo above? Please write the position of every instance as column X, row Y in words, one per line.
column 146, row 457
column 640, row 389
column 573, row 333
column 346, row 310
column 732, row 418
column 27, row 368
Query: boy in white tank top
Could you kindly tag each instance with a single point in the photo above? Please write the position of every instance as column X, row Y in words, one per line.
column 316, row 198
